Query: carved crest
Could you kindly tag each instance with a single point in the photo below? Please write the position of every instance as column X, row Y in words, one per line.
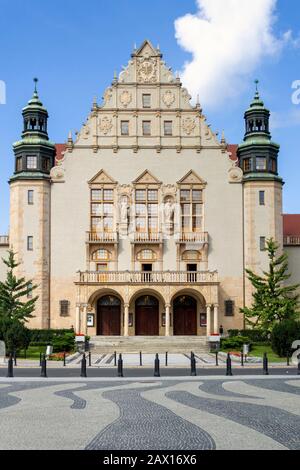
column 188, row 125
column 106, row 125
column 125, row 98
column 147, row 70
column 168, row 98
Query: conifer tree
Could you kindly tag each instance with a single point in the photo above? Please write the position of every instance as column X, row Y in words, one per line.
column 14, row 295
column 273, row 300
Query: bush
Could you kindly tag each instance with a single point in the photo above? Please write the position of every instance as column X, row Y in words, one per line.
column 283, row 336
column 257, row 336
column 65, row 342
column 235, row 342
column 16, row 336
column 46, row 336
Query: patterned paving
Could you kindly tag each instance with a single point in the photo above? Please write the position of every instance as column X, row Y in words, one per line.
column 158, row 415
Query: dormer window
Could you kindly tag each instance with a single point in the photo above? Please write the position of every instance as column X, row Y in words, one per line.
column 261, row 163
column 31, row 162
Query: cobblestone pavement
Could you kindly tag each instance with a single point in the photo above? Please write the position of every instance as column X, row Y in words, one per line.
column 250, row 413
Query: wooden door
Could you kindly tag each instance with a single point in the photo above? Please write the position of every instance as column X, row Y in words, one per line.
column 185, row 317
column 108, row 320
column 146, row 320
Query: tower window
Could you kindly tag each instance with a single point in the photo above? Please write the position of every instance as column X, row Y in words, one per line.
column 45, row 164
column 146, row 101
column 261, row 198
column 262, row 243
column 146, row 127
column 247, row 164
column 261, row 163
column 273, row 165
column 168, row 127
column 31, row 162
column 30, row 243
column 229, row 308
column 19, row 164
column 30, row 196
column 124, row 127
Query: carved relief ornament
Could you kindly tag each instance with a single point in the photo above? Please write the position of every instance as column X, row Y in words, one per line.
column 168, row 98
column 105, row 125
column 188, row 125
column 147, row 70
column 125, row 98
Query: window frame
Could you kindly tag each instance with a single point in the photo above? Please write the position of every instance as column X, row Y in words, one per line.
column 29, row 242
column 31, row 158
column 123, row 121
column 148, row 95
column 262, row 198
column 30, row 197
column 144, row 122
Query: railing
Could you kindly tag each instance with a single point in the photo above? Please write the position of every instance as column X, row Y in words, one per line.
column 291, row 241
column 142, row 277
column 192, row 237
column 4, row 240
column 144, row 237
column 102, row 237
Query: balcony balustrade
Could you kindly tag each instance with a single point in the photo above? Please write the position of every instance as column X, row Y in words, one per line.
column 102, row 237
column 192, row 237
column 146, row 237
column 4, row 240
column 142, row 277
column 291, row 241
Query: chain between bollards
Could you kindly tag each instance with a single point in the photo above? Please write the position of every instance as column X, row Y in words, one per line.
column 228, row 365
column 44, row 366
column 83, row 366
column 265, row 365
column 193, row 365
column 120, row 366
column 10, row 367
column 156, row 366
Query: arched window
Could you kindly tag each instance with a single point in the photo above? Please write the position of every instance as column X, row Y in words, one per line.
column 146, row 301
column 191, row 255
column 146, row 255
column 101, row 254
column 109, row 300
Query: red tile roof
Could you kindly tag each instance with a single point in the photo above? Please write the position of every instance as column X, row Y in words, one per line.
column 232, row 148
column 291, row 225
column 60, row 148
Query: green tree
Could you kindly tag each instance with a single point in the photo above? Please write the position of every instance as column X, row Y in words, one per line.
column 17, row 336
column 273, row 300
column 13, row 292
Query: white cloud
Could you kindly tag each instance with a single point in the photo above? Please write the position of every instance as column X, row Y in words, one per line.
column 227, row 39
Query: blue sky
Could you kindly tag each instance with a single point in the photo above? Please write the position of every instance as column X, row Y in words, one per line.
column 73, row 47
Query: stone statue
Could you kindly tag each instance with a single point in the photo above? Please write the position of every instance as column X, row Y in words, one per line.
column 169, row 212
column 124, row 211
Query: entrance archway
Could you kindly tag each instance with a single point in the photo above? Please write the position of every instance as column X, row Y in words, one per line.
column 147, row 316
column 185, row 316
column 109, row 316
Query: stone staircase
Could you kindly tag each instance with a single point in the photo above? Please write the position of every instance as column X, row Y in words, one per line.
column 148, row 344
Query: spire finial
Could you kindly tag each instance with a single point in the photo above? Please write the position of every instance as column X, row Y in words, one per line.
column 256, row 88
column 35, row 84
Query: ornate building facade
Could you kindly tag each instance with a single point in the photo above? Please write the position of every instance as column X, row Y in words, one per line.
column 145, row 222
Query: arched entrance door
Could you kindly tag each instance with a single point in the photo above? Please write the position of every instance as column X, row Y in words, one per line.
column 147, row 316
column 185, row 316
column 109, row 316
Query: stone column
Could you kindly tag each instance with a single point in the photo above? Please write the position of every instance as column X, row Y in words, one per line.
column 167, row 321
column 216, row 318
column 126, row 319
column 84, row 319
column 77, row 319
column 208, row 323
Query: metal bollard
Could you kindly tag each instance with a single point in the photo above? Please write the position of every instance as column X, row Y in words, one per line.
column 156, row 366
column 120, row 366
column 228, row 365
column 44, row 367
column 217, row 358
column 265, row 365
column 10, row 367
column 242, row 359
column 90, row 358
column 40, row 359
column 288, row 360
column 166, row 361
column 15, row 357
column 115, row 358
column 298, row 357
column 193, row 365
column 83, row 366
column 141, row 359
column 64, row 359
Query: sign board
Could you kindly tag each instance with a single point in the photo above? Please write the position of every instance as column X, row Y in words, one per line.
column 49, row 350
column 245, row 348
column 80, row 339
column 214, row 339
column 90, row 319
column 2, row 352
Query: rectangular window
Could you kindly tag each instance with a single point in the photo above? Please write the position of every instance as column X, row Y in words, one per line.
column 31, row 162
column 146, row 101
column 30, row 243
column 45, row 164
column 64, row 308
column 29, row 290
column 168, row 127
column 191, row 210
column 30, row 196
column 229, row 308
column 124, row 127
column 273, row 165
column 19, row 164
column 108, row 194
column 261, row 198
column 262, row 243
column 247, row 164
column 146, row 127
column 261, row 163
column 140, row 195
column 96, row 195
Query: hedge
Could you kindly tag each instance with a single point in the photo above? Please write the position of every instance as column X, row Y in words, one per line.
column 255, row 336
column 47, row 336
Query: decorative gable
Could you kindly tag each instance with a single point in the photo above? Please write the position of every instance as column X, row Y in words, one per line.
column 191, row 178
column 102, row 178
column 146, row 178
column 147, row 50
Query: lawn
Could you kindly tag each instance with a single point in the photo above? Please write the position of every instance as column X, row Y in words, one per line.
column 33, row 352
column 259, row 350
